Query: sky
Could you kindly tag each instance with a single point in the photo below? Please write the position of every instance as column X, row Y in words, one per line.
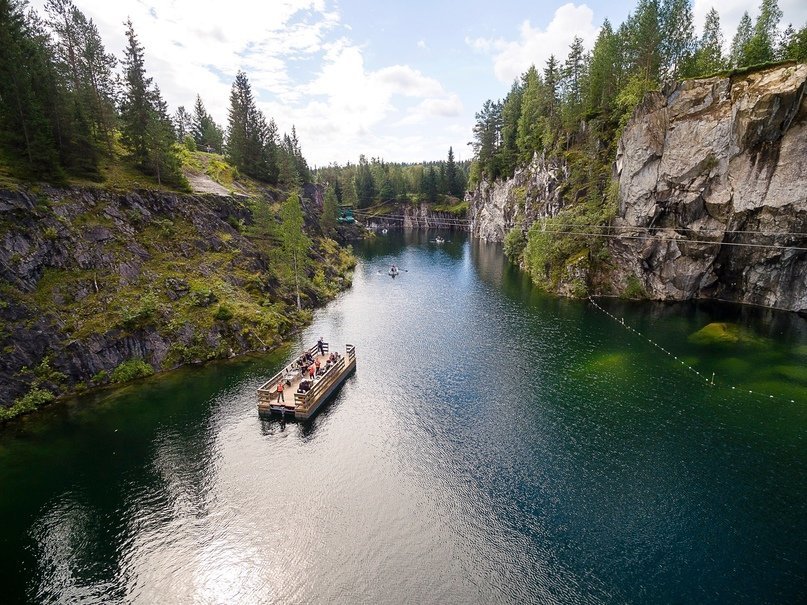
column 394, row 80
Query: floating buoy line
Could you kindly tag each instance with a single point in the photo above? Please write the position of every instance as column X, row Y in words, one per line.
column 701, row 376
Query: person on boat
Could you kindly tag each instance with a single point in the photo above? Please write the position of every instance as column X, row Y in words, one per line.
column 317, row 365
column 321, row 346
column 312, row 370
column 280, row 396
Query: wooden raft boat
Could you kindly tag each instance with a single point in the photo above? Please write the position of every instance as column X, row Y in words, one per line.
column 305, row 404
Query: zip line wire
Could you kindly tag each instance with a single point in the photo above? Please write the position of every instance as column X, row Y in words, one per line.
column 400, row 217
column 655, row 237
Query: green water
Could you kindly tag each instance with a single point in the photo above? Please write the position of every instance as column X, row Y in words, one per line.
column 494, row 445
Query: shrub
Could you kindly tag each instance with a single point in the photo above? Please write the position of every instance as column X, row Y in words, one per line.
column 101, row 377
column 134, row 318
column 514, row 243
column 203, row 298
column 131, row 369
column 634, row 288
column 223, row 313
column 27, row 403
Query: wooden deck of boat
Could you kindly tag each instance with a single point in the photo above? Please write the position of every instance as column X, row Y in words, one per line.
column 305, row 405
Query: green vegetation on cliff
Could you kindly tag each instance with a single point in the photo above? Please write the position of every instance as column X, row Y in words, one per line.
column 571, row 113
column 106, row 287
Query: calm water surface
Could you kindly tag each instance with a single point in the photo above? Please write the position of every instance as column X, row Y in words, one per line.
column 495, row 445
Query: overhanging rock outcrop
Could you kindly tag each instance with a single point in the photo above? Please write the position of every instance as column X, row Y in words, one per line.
column 715, row 172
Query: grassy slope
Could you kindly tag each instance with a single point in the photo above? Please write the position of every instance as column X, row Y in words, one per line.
column 238, row 300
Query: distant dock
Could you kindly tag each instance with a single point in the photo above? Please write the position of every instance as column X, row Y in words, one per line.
column 302, row 396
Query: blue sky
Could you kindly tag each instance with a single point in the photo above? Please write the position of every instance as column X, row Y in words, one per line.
column 400, row 81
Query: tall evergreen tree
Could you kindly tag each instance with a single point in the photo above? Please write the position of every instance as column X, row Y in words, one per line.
column 709, row 56
column 364, row 183
column 295, row 242
column 246, row 131
column 163, row 161
column 183, row 123
column 761, row 48
column 146, row 128
column 28, row 128
column 136, row 110
column 642, row 35
column 206, row 133
column 604, row 71
column 796, row 49
column 573, row 72
column 740, row 41
column 327, row 221
column 453, row 178
column 487, row 137
column 511, row 111
column 532, row 122
column 677, row 44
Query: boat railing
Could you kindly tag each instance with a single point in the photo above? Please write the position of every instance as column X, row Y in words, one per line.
column 321, row 386
column 267, row 392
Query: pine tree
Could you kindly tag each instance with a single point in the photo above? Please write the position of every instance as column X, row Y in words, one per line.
column 28, row 132
column 337, row 189
column 487, row 137
column 327, row 221
column 796, row 49
column 642, row 34
column 295, row 242
column 146, row 128
column 183, row 123
column 453, row 178
column 532, row 122
column 740, row 42
column 206, row 133
column 761, row 48
column 604, row 71
column 709, row 56
column 136, row 111
column 163, row 161
column 677, row 44
column 573, row 72
column 511, row 111
column 364, row 184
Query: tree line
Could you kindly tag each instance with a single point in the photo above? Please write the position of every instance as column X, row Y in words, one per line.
column 372, row 181
column 66, row 105
column 579, row 104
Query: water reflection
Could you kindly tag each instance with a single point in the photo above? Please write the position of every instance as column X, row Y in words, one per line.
column 494, row 445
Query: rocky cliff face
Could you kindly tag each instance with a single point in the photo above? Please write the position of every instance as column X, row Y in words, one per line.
column 417, row 216
column 701, row 168
column 91, row 280
column 717, row 162
column 533, row 192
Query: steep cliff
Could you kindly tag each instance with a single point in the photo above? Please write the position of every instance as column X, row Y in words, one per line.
column 712, row 196
column 97, row 286
column 721, row 161
column 534, row 192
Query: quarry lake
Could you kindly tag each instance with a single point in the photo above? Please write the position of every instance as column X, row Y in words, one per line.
column 495, row 445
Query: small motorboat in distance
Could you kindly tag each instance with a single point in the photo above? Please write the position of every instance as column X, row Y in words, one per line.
column 393, row 271
column 384, row 231
column 439, row 240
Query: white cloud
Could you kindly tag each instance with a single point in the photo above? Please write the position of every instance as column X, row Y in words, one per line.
column 422, row 44
column 534, row 45
column 303, row 71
